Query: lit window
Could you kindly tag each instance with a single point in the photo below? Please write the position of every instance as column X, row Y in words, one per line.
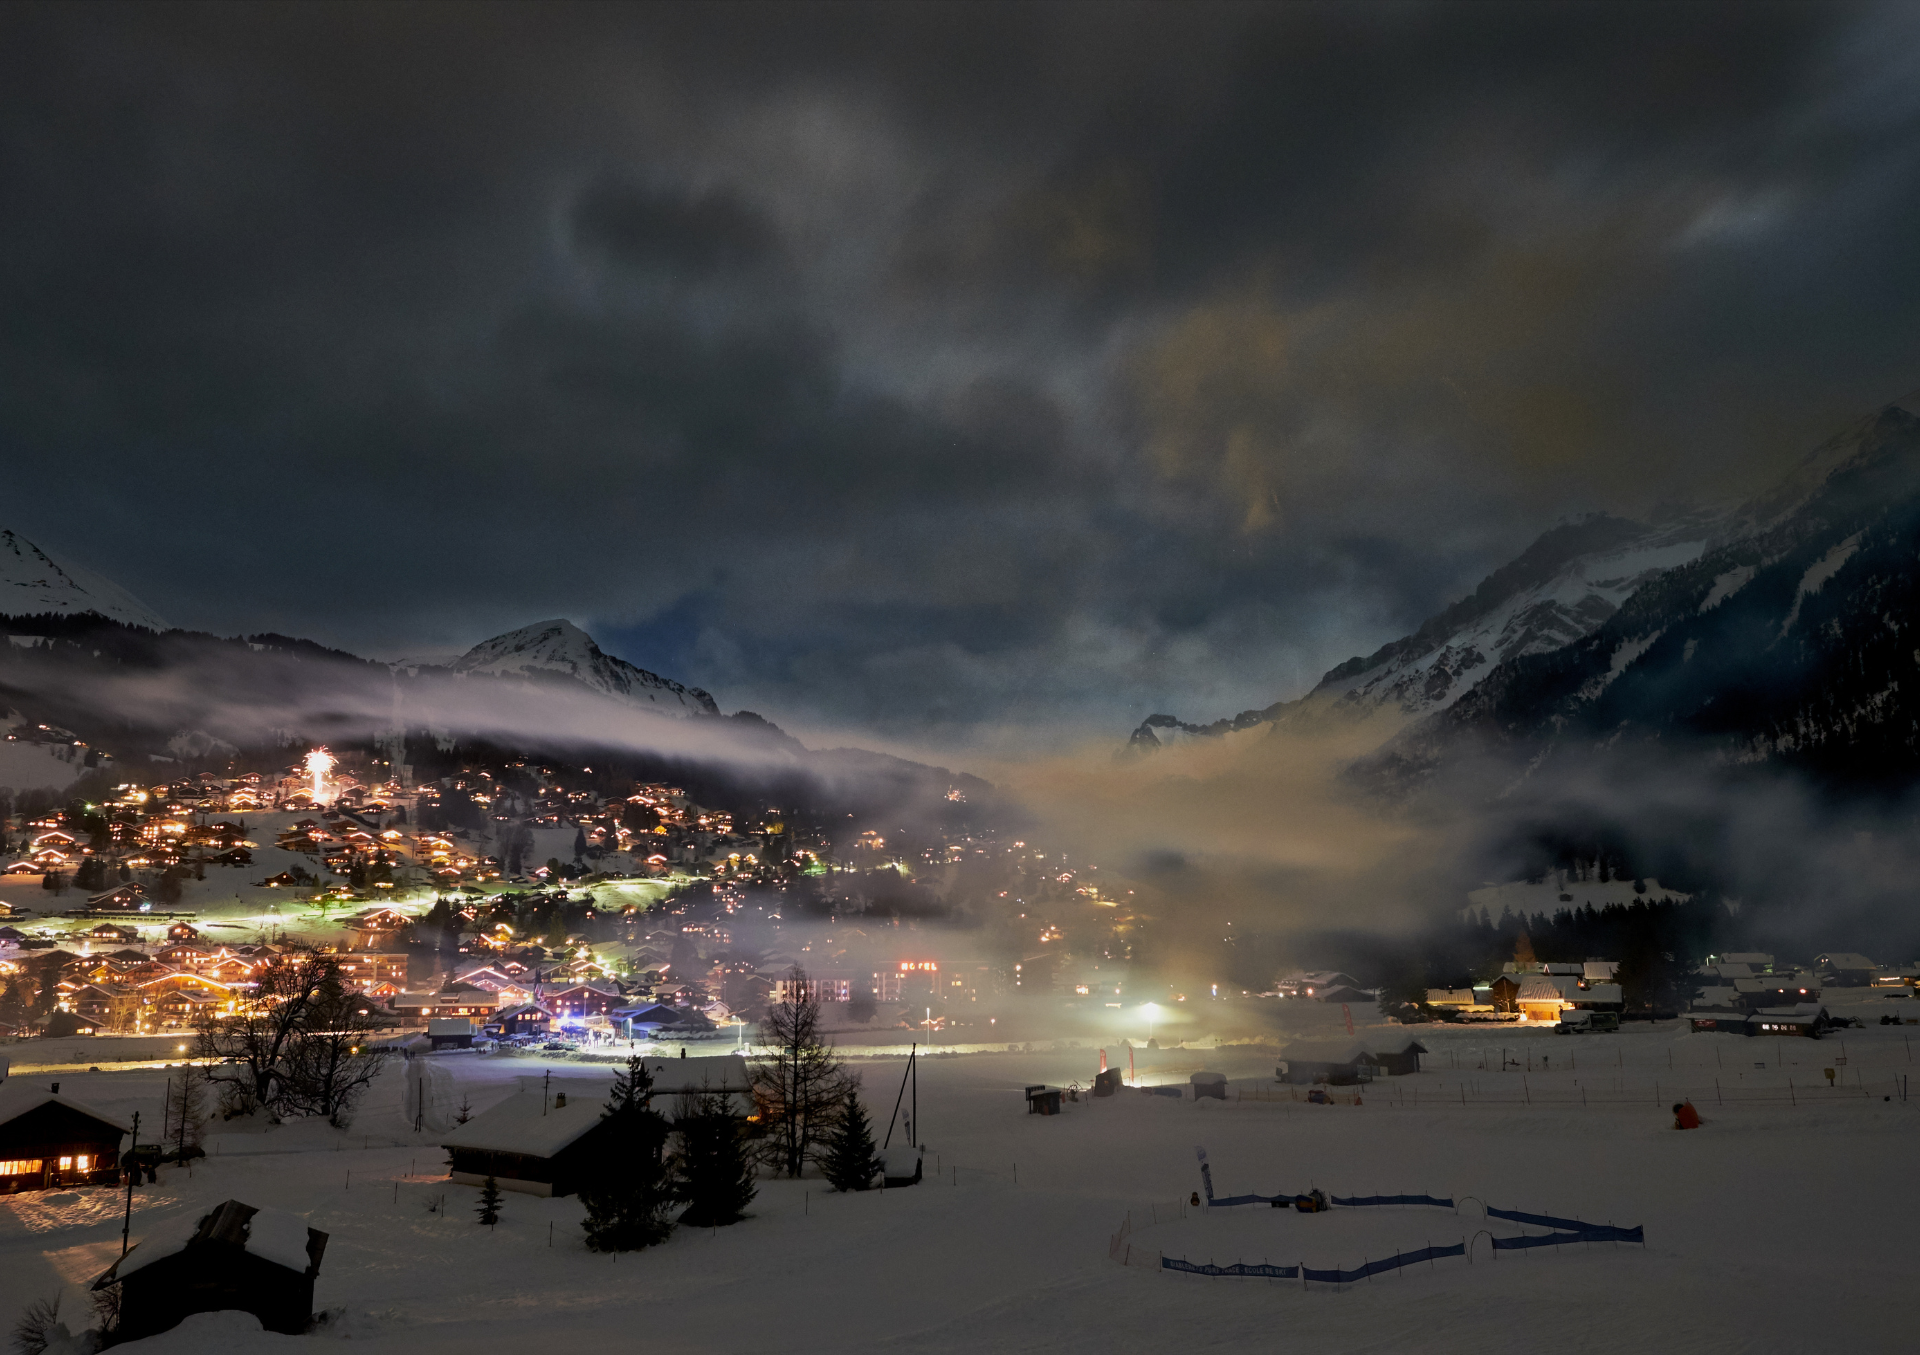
column 20, row 1166
column 66, row 1164
column 83, row 1162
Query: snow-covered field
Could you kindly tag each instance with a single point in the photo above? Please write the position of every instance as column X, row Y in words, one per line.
column 1785, row 1224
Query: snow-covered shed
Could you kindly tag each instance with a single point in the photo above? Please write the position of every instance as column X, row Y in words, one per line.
column 1394, row 1054
column 540, row 1142
column 259, row 1261
column 1340, row 1062
column 50, row 1141
column 1209, row 1083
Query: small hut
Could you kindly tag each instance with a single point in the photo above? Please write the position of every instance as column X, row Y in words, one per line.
column 1395, row 1055
column 259, row 1261
column 49, row 1141
column 1339, row 1062
column 1209, row 1084
column 532, row 1142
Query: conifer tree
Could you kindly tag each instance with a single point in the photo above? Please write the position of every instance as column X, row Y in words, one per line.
column 489, row 1207
column 851, row 1161
column 627, row 1192
column 712, row 1172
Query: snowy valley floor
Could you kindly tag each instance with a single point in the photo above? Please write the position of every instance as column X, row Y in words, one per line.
column 1786, row 1224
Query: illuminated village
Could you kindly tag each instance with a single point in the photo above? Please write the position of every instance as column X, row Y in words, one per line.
column 545, row 912
column 947, row 678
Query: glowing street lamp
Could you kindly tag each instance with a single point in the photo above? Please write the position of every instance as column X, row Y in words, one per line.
column 1152, row 1013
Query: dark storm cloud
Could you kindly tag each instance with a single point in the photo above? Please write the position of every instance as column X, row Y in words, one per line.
column 926, row 368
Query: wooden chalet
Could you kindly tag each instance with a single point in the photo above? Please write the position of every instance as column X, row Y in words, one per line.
column 52, row 1142
column 123, row 898
column 259, row 1261
column 532, row 1142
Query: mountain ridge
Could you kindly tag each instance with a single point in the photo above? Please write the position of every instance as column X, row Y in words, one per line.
column 560, row 647
column 33, row 583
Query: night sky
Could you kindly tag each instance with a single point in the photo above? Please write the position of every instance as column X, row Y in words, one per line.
column 954, row 375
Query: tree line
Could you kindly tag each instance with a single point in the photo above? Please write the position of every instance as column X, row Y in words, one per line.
column 706, row 1158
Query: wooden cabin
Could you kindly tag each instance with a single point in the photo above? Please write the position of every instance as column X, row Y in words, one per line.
column 259, row 1261
column 1394, row 1055
column 1340, row 1063
column 536, row 1142
column 52, row 1142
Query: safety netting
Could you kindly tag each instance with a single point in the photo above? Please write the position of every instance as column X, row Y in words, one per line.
column 1241, row 1268
column 1540, row 1220
column 1589, row 1232
column 1358, row 1201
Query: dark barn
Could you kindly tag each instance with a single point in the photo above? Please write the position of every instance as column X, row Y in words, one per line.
column 1395, row 1055
column 259, row 1261
column 48, row 1141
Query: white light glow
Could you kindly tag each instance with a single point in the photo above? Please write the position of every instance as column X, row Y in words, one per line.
column 319, row 763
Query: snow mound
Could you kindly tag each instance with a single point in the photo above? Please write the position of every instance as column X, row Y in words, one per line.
column 229, row 1332
column 33, row 582
column 561, row 647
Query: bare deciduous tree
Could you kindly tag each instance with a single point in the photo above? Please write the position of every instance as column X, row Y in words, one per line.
column 799, row 1084
column 330, row 1064
column 297, row 1045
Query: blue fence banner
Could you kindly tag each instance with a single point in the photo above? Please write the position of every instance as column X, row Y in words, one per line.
column 1225, row 1200
column 1541, row 1220
column 1591, row 1233
column 1384, row 1264
column 1355, row 1201
column 1256, row 1272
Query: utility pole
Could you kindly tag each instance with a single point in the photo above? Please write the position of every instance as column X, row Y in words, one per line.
column 133, row 1168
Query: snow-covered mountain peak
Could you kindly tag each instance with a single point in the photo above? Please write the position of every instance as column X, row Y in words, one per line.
column 559, row 646
column 1561, row 588
column 33, row 582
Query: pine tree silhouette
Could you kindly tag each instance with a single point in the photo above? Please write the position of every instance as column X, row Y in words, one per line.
column 712, row 1171
column 628, row 1193
column 851, row 1161
column 489, row 1209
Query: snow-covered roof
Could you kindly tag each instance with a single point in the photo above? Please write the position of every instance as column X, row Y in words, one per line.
column 271, row 1234
column 17, row 1098
column 1393, row 1044
column 278, row 1236
column 1324, row 1051
column 1539, row 988
column 718, row 1072
column 528, row 1123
